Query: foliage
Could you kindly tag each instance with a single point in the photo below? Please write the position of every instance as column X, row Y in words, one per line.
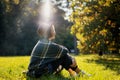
column 11, row 68
column 19, row 21
column 15, row 28
column 96, row 25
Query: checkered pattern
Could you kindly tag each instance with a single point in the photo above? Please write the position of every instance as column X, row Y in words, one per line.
column 45, row 52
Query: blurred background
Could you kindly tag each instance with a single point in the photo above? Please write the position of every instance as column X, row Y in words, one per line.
column 83, row 26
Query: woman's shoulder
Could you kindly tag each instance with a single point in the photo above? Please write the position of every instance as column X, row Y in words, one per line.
column 59, row 45
column 53, row 43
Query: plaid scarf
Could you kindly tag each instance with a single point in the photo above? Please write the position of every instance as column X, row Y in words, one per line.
column 44, row 52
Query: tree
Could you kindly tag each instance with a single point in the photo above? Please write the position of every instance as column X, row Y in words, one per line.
column 14, row 39
column 18, row 21
column 94, row 24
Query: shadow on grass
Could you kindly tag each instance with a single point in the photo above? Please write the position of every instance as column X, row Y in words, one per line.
column 49, row 77
column 109, row 61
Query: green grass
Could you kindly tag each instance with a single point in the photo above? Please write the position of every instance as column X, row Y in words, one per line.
column 101, row 68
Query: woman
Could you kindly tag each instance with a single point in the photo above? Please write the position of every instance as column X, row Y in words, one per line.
column 48, row 57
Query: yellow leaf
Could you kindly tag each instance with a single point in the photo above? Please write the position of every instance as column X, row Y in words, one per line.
column 80, row 37
column 16, row 1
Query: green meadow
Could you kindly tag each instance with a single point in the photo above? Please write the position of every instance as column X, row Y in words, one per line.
column 106, row 67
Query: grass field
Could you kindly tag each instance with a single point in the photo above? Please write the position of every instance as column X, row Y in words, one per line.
column 101, row 68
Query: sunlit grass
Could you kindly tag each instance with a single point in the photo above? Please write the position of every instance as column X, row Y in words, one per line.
column 101, row 68
column 90, row 64
column 11, row 67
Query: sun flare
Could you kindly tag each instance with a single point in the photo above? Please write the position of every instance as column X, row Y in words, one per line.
column 45, row 11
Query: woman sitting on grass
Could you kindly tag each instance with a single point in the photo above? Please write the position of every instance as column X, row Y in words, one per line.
column 48, row 57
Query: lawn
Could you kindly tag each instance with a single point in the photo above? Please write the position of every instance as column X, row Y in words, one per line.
column 106, row 67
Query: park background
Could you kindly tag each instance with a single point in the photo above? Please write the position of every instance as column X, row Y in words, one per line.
column 86, row 27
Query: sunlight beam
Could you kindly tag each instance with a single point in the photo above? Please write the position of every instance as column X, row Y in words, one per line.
column 46, row 11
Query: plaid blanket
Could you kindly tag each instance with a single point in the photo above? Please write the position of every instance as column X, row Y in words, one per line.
column 44, row 52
